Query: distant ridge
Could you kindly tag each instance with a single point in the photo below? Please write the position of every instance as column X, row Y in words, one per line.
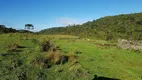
column 126, row 26
column 4, row 29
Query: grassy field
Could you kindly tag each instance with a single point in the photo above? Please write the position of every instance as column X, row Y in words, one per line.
column 93, row 57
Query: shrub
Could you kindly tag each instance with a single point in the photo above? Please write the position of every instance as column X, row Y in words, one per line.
column 46, row 46
column 54, row 57
column 58, row 58
column 50, row 59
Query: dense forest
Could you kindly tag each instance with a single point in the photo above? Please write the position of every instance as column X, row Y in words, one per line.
column 124, row 26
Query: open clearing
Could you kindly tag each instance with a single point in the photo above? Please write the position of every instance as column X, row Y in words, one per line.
column 93, row 58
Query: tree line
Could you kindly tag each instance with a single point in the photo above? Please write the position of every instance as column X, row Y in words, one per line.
column 124, row 26
column 28, row 27
column 3, row 29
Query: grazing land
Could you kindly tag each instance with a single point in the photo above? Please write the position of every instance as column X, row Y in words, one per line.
column 28, row 56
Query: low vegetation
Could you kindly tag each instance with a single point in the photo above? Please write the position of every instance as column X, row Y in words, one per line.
column 53, row 56
column 3, row 29
column 65, row 58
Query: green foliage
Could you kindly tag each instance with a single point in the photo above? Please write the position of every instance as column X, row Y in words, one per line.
column 29, row 26
column 22, row 59
column 3, row 29
column 128, row 26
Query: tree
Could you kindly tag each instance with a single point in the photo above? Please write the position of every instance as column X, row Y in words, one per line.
column 29, row 26
column 2, row 26
column 3, row 29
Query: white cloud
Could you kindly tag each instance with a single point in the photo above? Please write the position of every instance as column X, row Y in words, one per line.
column 65, row 21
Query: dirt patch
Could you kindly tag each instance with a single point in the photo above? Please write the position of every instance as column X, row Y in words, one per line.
column 131, row 45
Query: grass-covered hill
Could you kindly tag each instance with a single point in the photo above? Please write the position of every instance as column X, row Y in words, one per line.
column 124, row 26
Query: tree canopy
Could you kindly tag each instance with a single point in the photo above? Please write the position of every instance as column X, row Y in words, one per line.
column 29, row 26
column 125, row 26
column 3, row 29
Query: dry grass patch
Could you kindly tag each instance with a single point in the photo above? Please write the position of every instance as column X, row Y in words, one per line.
column 54, row 57
column 46, row 46
column 58, row 58
column 13, row 47
column 72, row 57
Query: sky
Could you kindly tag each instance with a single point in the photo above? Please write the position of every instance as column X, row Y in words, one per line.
column 45, row 14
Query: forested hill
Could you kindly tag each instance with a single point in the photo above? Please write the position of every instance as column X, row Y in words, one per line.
column 3, row 29
column 124, row 26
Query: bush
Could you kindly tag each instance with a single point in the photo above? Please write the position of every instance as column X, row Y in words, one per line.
column 50, row 59
column 46, row 46
column 54, row 57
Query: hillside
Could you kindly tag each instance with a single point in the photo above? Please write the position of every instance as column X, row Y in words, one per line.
column 3, row 29
column 124, row 26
